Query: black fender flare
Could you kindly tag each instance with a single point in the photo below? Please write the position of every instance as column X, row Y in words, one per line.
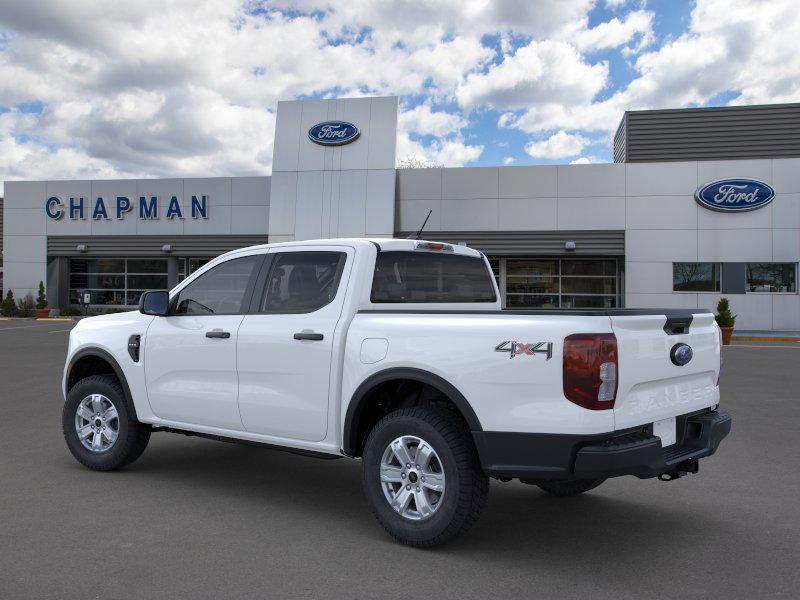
column 358, row 401
column 109, row 358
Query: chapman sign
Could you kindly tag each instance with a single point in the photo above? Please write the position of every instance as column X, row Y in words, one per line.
column 735, row 195
column 147, row 208
column 333, row 133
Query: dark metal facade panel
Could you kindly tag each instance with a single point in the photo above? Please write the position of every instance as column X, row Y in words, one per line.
column 536, row 243
column 620, row 139
column 734, row 278
column 150, row 245
column 719, row 133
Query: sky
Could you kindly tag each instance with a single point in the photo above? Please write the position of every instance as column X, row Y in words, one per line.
column 180, row 88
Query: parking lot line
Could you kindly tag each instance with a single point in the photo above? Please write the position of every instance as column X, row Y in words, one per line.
column 22, row 327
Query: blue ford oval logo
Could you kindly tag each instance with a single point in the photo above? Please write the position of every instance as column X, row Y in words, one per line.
column 333, row 133
column 735, row 195
column 681, row 354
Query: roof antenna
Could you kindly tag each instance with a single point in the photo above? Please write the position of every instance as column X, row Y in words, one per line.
column 418, row 232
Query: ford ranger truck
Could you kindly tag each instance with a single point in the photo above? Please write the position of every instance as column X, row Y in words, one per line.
column 397, row 352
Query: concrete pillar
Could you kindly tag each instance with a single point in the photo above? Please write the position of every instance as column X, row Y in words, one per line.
column 57, row 284
column 172, row 272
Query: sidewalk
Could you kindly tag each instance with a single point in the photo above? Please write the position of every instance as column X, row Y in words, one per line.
column 745, row 335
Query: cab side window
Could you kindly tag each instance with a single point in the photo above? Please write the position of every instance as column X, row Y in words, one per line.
column 302, row 282
column 222, row 290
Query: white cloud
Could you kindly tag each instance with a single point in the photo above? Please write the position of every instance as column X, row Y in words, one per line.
column 447, row 149
column 509, row 160
column 417, row 22
column 188, row 87
column 616, row 32
column 447, row 153
column 746, row 47
column 559, row 145
column 587, row 160
column 539, row 72
column 423, row 120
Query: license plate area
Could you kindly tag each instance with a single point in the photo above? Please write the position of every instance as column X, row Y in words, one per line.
column 667, row 430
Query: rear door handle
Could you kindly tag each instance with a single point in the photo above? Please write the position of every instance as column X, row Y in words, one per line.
column 309, row 335
column 218, row 334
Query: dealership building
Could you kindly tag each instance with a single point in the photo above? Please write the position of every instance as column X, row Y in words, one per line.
column 699, row 204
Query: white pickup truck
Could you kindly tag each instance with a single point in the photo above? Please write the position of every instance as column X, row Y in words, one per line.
column 398, row 352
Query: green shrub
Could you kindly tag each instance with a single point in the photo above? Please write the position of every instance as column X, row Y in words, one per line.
column 41, row 299
column 8, row 307
column 25, row 306
column 725, row 318
column 71, row 311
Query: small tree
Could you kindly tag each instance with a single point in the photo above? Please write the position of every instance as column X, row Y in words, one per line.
column 8, row 307
column 414, row 162
column 25, row 306
column 41, row 299
column 725, row 318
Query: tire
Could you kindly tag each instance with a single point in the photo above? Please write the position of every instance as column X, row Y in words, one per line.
column 131, row 436
column 569, row 488
column 453, row 461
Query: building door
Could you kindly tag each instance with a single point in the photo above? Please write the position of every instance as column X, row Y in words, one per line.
column 190, row 356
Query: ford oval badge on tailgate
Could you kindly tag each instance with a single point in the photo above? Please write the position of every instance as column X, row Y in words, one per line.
column 681, row 354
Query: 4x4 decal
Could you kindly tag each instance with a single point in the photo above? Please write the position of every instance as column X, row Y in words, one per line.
column 517, row 348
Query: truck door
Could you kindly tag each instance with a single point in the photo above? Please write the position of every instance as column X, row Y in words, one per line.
column 190, row 356
column 285, row 345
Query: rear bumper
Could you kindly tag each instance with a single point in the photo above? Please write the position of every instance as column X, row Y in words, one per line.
column 531, row 456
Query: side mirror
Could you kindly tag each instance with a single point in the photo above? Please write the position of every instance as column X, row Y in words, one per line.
column 154, row 303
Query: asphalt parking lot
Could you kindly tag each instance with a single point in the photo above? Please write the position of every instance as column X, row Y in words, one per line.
column 201, row 519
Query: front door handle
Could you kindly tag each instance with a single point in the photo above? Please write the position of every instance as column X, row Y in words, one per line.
column 218, row 334
column 309, row 335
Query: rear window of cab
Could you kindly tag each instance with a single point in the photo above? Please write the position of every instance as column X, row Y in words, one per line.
column 427, row 277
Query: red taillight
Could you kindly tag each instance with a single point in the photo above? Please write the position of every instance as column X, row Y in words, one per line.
column 590, row 370
column 433, row 246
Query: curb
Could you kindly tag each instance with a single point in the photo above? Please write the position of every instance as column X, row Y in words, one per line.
column 56, row 319
column 755, row 338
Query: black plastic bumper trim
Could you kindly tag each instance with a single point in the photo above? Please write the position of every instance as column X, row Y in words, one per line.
column 531, row 456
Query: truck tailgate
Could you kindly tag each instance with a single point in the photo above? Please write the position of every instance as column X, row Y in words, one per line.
column 650, row 386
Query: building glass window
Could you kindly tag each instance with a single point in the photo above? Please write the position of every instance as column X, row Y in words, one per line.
column 187, row 266
column 116, row 281
column 302, row 282
column 696, row 277
column 772, row 277
column 495, row 264
column 221, row 290
column 560, row 283
column 430, row 277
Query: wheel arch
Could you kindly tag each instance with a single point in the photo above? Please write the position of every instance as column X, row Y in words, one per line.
column 95, row 361
column 362, row 398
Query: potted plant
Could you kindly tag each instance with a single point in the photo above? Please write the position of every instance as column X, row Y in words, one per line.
column 42, row 311
column 725, row 320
